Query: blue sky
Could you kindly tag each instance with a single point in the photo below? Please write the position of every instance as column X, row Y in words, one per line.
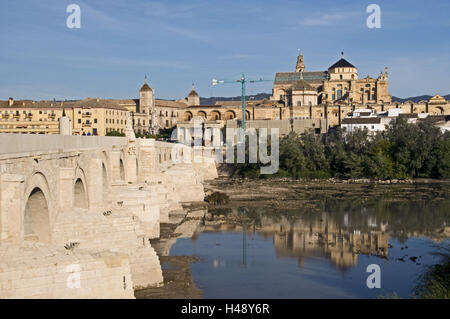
column 177, row 42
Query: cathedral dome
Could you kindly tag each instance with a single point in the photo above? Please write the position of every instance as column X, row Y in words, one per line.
column 342, row 63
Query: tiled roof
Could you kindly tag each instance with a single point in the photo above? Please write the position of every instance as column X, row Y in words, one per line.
column 361, row 120
column 145, row 87
column 292, row 77
column 193, row 93
column 342, row 63
column 169, row 103
column 302, row 85
column 88, row 102
column 436, row 118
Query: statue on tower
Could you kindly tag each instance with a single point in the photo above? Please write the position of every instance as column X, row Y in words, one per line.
column 300, row 63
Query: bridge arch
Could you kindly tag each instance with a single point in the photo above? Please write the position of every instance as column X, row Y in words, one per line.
column 122, row 169
column 36, row 222
column 105, row 184
column 106, row 177
column 37, row 214
column 80, row 192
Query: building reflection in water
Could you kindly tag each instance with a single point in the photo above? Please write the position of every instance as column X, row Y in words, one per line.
column 339, row 237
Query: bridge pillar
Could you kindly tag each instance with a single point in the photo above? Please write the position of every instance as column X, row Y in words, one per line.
column 130, row 163
column 12, row 204
column 66, row 177
column 116, row 175
column 147, row 161
column 95, row 183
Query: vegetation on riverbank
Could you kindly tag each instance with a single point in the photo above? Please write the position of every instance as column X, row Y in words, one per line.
column 435, row 282
column 217, row 198
column 404, row 151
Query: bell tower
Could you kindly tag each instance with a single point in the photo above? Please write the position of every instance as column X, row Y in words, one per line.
column 300, row 63
column 146, row 98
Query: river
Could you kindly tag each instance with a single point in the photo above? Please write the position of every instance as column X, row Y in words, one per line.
column 294, row 240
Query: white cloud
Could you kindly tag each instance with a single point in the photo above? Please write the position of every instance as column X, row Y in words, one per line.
column 328, row 19
column 189, row 34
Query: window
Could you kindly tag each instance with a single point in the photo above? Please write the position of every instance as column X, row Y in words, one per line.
column 79, row 121
column 95, row 121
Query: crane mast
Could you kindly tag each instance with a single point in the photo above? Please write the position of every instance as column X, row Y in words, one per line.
column 243, row 82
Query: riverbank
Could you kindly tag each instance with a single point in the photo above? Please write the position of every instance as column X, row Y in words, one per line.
column 286, row 193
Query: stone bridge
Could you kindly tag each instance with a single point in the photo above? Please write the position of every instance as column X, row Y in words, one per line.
column 77, row 213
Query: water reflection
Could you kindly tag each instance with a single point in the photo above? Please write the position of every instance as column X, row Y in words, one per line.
column 342, row 231
column 320, row 249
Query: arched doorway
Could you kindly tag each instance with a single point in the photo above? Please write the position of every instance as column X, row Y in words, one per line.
column 187, row 116
column 229, row 115
column 202, row 114
column 36, row 219
column 215, row 116
column 79, row 192
column 122, row 171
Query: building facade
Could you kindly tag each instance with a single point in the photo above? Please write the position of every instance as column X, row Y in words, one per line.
column 339, row 84
column 88, row 117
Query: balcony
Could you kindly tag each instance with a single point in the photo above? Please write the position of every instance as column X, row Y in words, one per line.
column 87, row 124
column 52, row 115
column 87, row 114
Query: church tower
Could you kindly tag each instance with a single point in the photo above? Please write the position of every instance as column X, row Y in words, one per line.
column 146, row 98
column 300, row 63
column 193, row 97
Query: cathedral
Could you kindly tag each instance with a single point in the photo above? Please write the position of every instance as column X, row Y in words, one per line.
column 339, row 84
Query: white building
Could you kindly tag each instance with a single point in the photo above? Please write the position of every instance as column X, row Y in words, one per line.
column 371, row 120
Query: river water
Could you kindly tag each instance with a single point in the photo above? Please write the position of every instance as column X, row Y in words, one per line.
column 322, row 248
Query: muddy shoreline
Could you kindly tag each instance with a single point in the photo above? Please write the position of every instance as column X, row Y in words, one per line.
column 290, row 194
